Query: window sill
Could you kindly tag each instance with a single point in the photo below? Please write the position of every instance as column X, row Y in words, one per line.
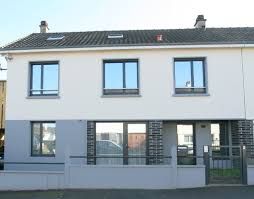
column 192, row 95
column 43, row 97
column 120, row 96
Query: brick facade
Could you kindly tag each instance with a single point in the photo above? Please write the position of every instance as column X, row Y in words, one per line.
column 155, row 143
column 91, row 139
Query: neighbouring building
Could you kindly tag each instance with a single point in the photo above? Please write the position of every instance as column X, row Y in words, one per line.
column 2, row 115
column 124, row 99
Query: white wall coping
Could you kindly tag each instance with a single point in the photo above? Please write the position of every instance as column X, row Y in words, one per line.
column 191, row 166
column 250, row 166
column 120, row 166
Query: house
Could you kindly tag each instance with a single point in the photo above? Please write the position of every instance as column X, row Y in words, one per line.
column 117, row 101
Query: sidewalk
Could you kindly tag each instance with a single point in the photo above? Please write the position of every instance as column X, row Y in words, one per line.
column 234, row 192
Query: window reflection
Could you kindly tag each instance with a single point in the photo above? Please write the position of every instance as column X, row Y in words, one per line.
column 120, row 143
column 120, row 77
column 43, row 138
column 185, row 149
column 137, row 143
column 189, row 76
column 44, row 79
column 109, row 143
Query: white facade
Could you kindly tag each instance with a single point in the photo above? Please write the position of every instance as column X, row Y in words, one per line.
column 229, row 76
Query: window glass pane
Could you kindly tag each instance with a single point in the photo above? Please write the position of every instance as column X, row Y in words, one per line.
column 109, row 142
column 185, row 147
column 131, row 75
column 137, row 143
column 36, row 138
column 113, row 75
column 50, row 79
column 36, row 79
column 198, row 74
column 182, row 74
column 48, row 139
column 215, row 133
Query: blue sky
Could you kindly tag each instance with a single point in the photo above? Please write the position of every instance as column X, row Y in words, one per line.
column 19, row 18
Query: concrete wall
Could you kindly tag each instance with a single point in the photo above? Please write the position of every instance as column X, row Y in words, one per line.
column 29, row 180
column 203, row 137
column 169, row 137
column 107, row 177
column 117, row 177
column 70, row 134
column 81, row 87
column 135, row 177
column 190, row 176
column 250, row 175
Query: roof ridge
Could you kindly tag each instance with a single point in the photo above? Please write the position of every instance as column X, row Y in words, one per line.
column 160, row 29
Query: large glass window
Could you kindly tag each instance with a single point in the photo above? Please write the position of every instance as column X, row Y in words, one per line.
column 120, row 77
column 120, row 143
column 43, row 138
column 137, row 144
column 189, row 76
column 44, row 79
column 109, row 143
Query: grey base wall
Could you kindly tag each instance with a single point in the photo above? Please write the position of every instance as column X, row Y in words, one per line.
column 70, row 135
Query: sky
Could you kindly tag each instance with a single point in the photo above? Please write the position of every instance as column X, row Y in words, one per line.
column 19, row 18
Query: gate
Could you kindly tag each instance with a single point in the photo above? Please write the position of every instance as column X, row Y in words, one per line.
column 225, row 164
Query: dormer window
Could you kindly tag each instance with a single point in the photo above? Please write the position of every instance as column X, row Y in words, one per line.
column 115, row 36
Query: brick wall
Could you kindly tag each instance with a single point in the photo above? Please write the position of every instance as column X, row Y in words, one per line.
column 155, row 144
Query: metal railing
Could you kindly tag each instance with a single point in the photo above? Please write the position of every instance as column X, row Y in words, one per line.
column 4, row 163
column 187, row 155
column 124, row 160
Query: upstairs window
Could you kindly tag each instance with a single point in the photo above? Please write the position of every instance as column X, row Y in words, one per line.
column 120, row 77
column 190, row 76
column 44, row 79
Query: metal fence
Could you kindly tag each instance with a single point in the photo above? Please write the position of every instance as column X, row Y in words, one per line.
column 122, row 160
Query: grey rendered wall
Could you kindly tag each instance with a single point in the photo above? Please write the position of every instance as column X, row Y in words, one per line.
column 169, row 137
column 203, row 137
column 69, row 134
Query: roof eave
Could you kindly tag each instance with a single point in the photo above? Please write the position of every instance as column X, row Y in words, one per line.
column 127, row 47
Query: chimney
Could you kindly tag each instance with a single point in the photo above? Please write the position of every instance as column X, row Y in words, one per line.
column 159, row 38
column 44, row 27
column 200, row 22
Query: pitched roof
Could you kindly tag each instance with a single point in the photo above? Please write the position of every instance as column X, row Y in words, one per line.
column 135, row 38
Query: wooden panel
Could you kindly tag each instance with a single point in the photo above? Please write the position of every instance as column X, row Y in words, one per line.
column 2, row 103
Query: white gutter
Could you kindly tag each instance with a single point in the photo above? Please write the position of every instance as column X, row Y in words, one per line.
column 129, row 48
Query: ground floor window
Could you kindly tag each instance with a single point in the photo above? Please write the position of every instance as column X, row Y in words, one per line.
column 43, row 138
column 121, row 143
